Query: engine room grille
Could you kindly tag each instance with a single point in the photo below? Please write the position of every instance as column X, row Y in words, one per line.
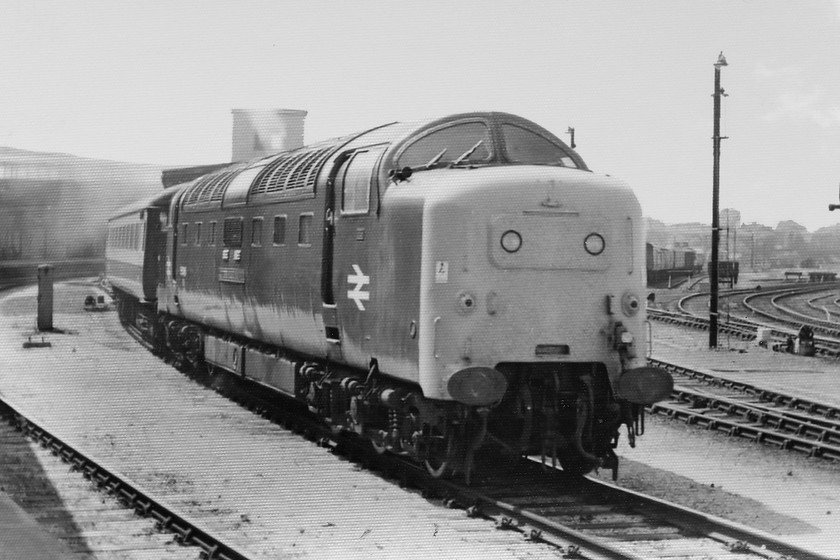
column 210, row 188
column 293, row 172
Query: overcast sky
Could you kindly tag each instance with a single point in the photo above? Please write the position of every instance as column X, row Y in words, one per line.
column 155, row 82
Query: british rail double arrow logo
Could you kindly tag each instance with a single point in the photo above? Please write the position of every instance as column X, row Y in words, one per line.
column 360, row 280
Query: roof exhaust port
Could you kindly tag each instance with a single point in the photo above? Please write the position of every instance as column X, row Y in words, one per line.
column 262, row 132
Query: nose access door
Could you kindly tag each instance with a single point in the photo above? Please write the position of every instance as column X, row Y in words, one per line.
column 348, row 278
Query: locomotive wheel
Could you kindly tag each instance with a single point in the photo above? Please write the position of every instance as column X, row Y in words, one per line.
column 575, row 460
column 513, row 426
column 440, row 455
column 380, row 447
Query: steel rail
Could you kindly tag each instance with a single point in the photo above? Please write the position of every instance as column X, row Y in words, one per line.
column 816, row 324
column 743, row 329
column 813, row 436
column 186, row 531
column 738, row 536
column 541, row 528
column 508, row 505
column 760, row 413
column 762, row 394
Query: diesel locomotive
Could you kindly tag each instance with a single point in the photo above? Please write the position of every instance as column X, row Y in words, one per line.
column 437, row 288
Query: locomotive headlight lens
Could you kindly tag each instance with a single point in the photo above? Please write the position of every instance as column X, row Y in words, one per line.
column 511, row 241
column 594, row 244
column 630, row 304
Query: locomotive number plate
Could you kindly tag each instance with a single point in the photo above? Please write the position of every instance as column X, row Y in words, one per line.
column 232, row 275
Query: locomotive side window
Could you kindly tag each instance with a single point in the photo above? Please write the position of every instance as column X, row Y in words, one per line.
column 211, row 237
column 355, row 182
column 279, row 237
column 305, row 230
column 232, row 234
column 464, row 143
column 256, row 232
column 185, row 228
column 525, row 146
column 198, row 233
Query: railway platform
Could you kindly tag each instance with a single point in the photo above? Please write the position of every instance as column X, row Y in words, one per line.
column 23, row 538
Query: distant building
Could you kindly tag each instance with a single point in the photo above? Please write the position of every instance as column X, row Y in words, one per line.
column 730, row 218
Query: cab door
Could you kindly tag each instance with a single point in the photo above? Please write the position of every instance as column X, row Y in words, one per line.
column 349, row 281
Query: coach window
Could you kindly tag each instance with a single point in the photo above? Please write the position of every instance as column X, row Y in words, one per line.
column 185, row 229
column 466, row 143
column 232, row 234
column 305, row 230
column 211, row 237
column 198, row 233
column 256, row 232
column 279, row 237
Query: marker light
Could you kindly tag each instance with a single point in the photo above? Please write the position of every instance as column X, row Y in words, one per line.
column 630, row 304
column 511, row 241
column 594, row 244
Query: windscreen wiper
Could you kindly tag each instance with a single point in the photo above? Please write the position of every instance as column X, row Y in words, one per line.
column 435, row 160
column 466, row 154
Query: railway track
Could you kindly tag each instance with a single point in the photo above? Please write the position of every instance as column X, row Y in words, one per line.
column 605, row 521
column 746, row 329
column 582, row 517
column 768, row 304
column 94, row 511
column 788, row 316
column 750, row 412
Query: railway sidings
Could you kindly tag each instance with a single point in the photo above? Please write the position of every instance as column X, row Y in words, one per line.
column 751, row 412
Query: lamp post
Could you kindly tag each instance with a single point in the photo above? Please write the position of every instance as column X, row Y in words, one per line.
column 713, row 262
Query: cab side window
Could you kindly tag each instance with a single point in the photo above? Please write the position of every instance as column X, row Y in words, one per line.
column 356, row 180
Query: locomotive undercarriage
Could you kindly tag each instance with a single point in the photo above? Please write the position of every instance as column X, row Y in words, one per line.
column 564, row 413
